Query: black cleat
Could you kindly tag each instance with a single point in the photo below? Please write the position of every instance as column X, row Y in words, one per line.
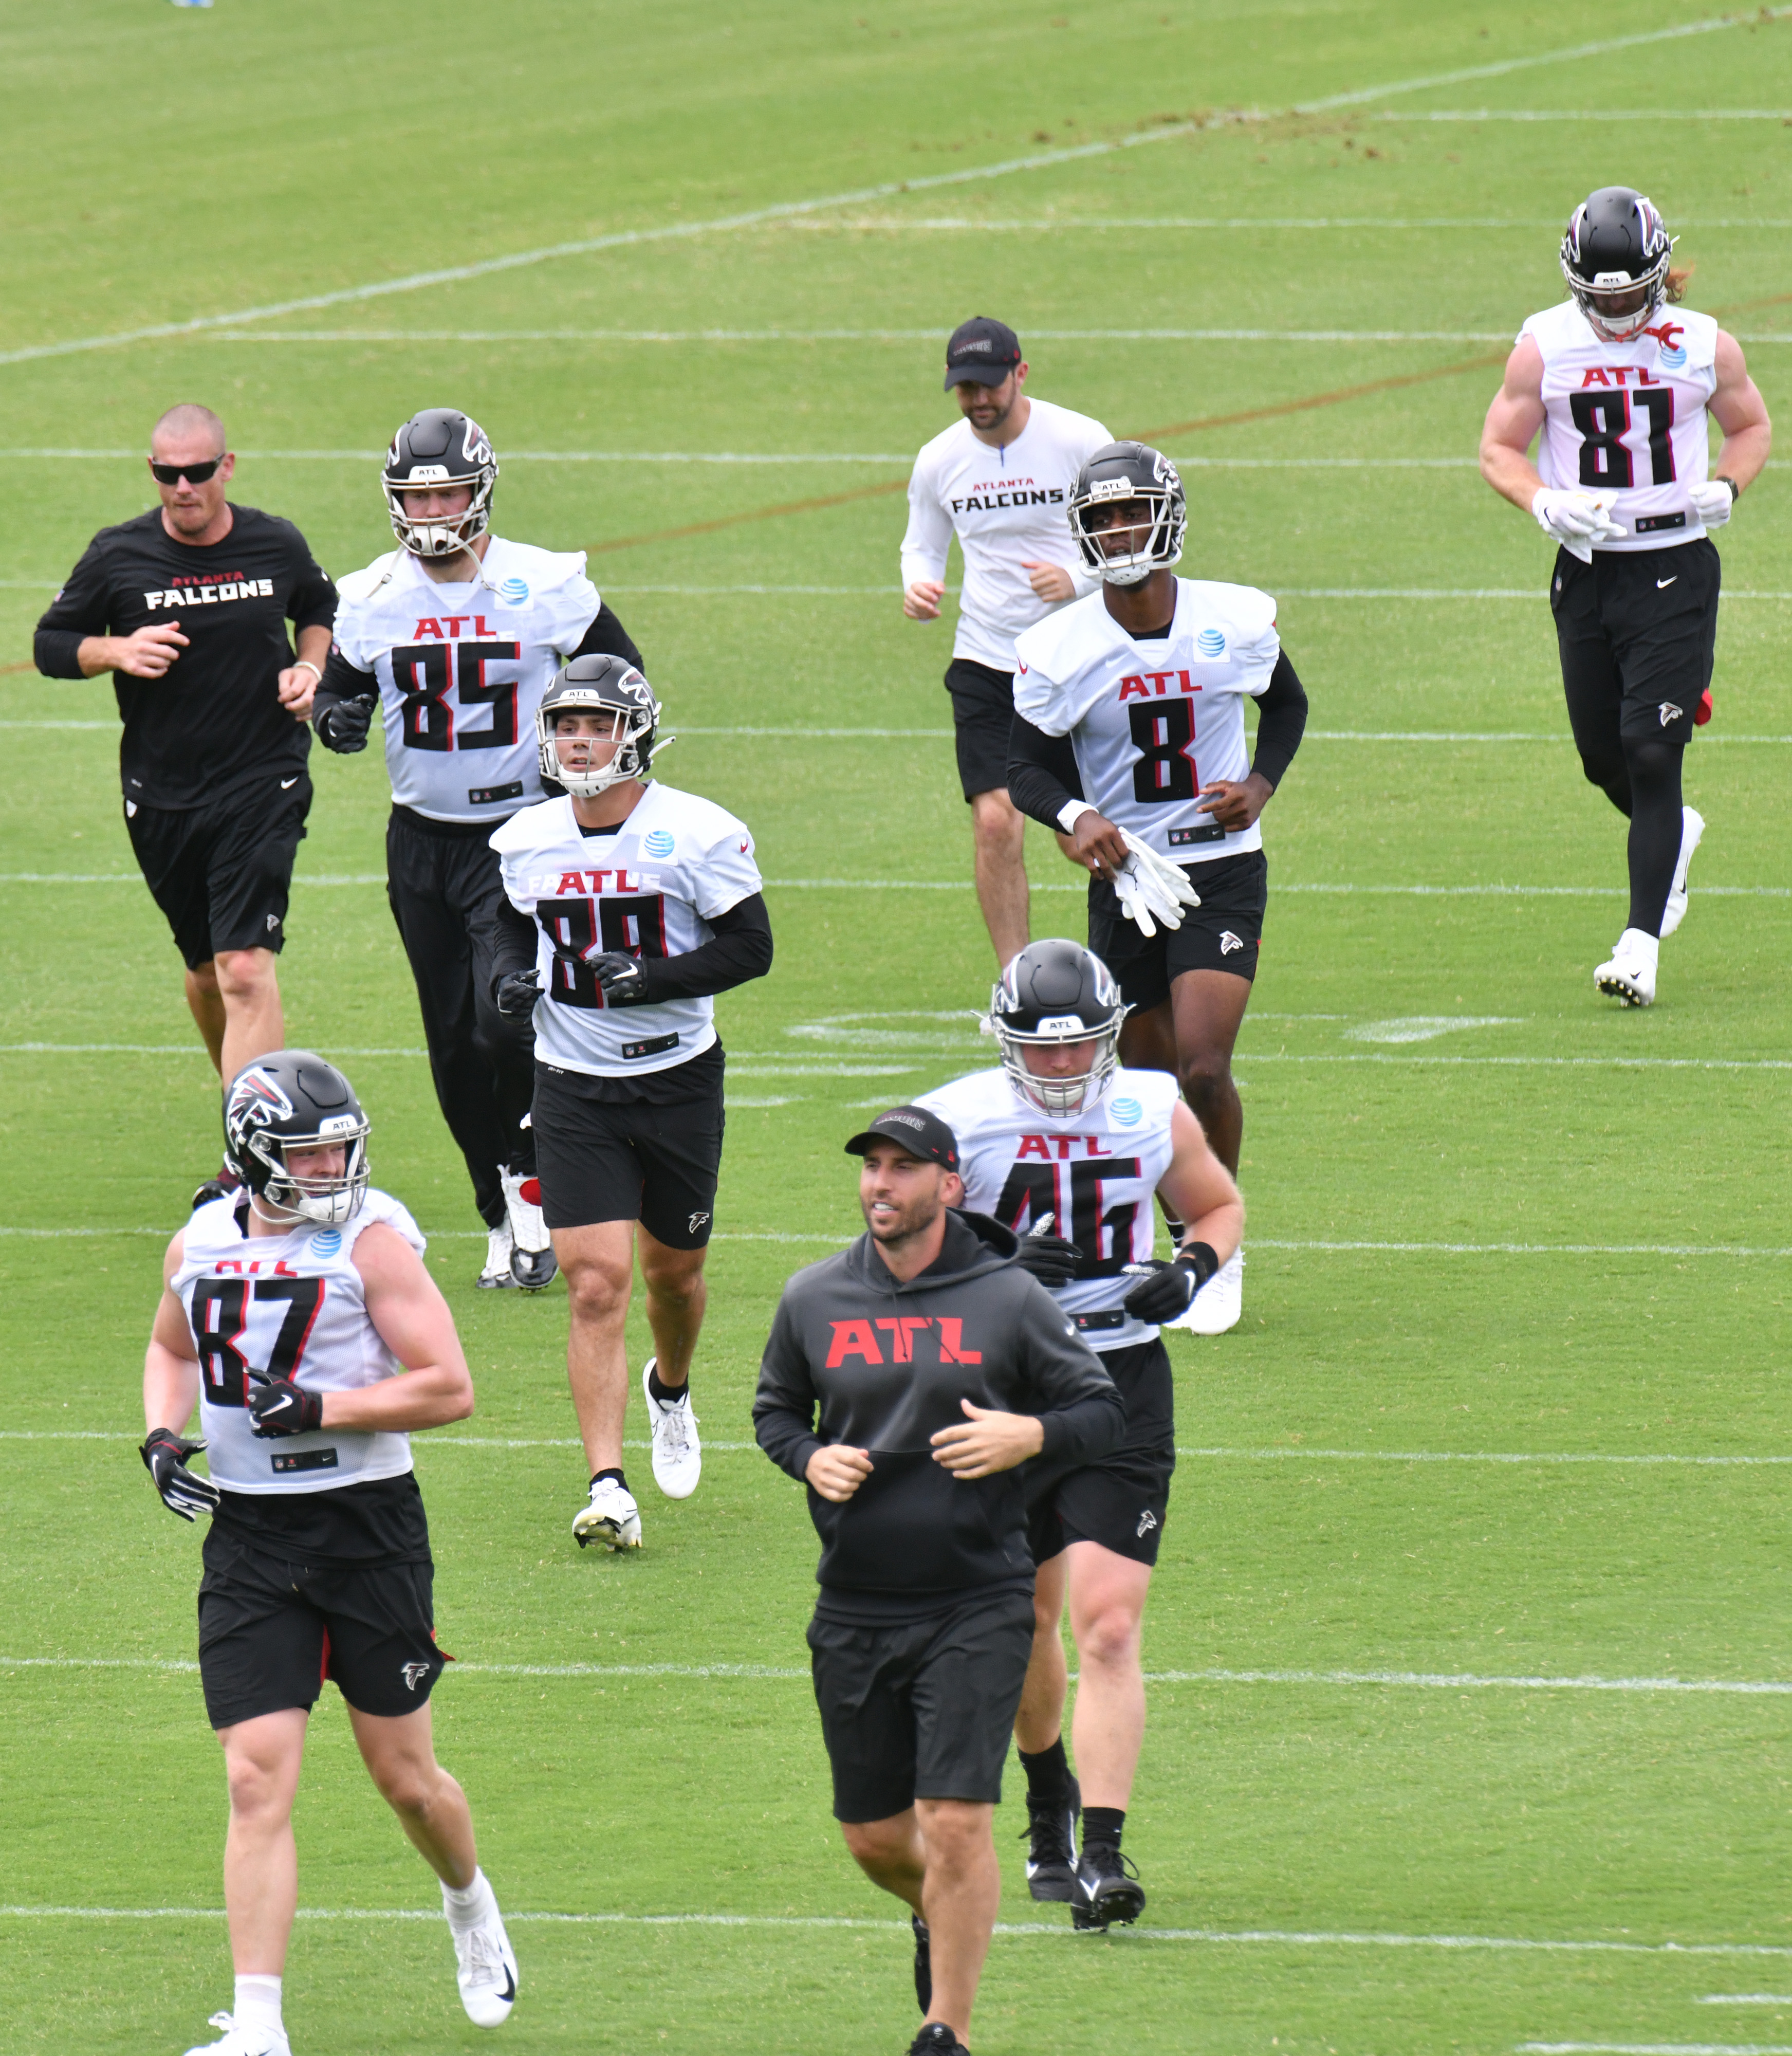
column 1107, row 1889
column 534, row 1270
column 937, row 2039
column 923, row 1963
column 1051, row 1839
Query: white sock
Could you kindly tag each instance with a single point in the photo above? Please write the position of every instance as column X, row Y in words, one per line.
column 466, row 1906
column 258, row 2003
column 1635, row 942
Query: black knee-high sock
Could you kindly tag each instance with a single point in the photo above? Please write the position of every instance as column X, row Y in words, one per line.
column 1655, row 824
column 1048, row 1772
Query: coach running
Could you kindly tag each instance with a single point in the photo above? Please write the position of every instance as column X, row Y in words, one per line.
column 938, row 1366
column 187, row 605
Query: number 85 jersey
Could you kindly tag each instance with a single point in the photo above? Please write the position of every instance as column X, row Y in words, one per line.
column 290, row 1305
column 1095, row 1171
column 1153, row 721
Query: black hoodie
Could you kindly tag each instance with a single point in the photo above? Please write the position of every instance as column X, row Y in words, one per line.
column 886, row 1364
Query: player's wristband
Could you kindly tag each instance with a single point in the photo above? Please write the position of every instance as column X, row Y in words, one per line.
column 304, row 664
column 1200, row 1258
column 1723, row 478
column 1070, row 812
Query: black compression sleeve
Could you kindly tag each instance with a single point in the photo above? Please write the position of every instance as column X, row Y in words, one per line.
column 513, row 945
column 1037, row 767
column 740, row 949
column 606, row 637
column 340, row 680
column 1282, row 720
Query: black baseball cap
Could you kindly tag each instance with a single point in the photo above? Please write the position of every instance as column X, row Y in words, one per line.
column 921, row 1133
column 982, row 352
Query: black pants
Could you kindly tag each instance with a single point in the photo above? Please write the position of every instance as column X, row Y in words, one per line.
column 443, row 885
column 1637, row 633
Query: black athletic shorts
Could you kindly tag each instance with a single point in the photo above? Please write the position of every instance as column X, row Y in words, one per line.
column 1122, row 1501
column 654, row 1160
column 1637, row 631
column 272, row 1630
column 920, row 1709
column 982, row 720
column 222, row 874
column 1224, row 933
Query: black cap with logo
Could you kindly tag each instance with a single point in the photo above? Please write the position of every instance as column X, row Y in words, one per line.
column 921, row 1133
column 982, row 352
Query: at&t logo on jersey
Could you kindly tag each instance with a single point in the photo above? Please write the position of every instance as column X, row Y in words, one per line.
column 514, row 592
column 326, row 1242
column 1126, row 1112
column 1210, row 643
column 659, row 843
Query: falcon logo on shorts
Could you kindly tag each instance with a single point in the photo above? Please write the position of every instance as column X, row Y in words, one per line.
column 1670, row 712
column 1147, row 1520
column 697, row 1221
column 414, row 1674
column 1229, row 942
column 274, row 919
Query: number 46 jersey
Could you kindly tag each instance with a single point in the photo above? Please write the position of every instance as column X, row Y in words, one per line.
column 1096, row 1172
column 290, row 1306
column 461, row 669
column 1154, row 721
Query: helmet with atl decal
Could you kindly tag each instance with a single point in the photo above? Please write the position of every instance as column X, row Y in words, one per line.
column 600, row 686
column 1128, row 513
column 1615, row 257
column 285, row 1103
column 439, row 447
column 1057, row 995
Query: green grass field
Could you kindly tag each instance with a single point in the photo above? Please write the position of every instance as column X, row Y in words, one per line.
column 1554, row 1233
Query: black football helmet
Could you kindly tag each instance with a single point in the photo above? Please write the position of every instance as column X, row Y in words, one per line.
column 1129, row 471
column 293, row 1100
column 439, row 447
column 1617, row 247
column 601, row 684
column 1055, row 992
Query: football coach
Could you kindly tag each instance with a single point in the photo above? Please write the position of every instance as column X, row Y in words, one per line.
column 938, row 1366
column 187, row 605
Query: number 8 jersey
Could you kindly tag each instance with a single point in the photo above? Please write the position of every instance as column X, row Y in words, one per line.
column 1153, row 721
column 290, row 1306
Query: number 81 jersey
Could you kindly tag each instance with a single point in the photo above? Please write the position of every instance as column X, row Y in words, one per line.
column 1096, row 1172
column 1154, row 721
column 290, row 1306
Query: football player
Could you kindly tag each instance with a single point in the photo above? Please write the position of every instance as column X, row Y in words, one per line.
column 631, row 905
column 1148, row 677
column 453, row 637
column 1622, row 387
column 297, row 1312
column 1065, row 1148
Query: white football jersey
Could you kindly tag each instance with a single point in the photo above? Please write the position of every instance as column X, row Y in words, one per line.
column 650, row 888
column 462, row 669
column 1096, row 1172
column 1628, row 416
column 289, row 1305
column 1153, row 722
column 1007, row 507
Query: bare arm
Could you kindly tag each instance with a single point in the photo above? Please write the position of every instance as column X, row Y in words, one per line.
column 1199, row 1189
column 1512, row 425
column 412, row 1319
column 171, row 1366
column 298, row 683
column 1738, row 410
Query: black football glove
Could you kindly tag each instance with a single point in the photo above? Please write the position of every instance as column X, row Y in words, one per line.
column 1049, row 1258
column 343, row 725
column 517, row 991
column 620, row 976
column 1169, row 1290
column 282, row 1408
column 164, row 1455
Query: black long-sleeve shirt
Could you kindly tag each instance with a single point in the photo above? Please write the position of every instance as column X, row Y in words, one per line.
column 213, row 722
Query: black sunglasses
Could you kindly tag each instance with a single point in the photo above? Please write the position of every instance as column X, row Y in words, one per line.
column 194, row 474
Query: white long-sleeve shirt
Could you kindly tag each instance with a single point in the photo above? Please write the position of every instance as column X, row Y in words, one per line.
column 1007, row 507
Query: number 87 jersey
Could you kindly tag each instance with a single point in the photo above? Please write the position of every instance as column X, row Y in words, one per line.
column 1155, row 721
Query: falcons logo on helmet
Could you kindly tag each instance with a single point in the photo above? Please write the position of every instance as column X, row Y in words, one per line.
column 255, row 1099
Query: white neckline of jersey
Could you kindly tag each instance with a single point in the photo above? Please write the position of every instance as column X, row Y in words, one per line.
column 425, row 583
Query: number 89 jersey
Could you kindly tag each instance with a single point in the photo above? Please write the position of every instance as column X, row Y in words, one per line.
column 290, row 1306
column 461, row 669
column 1096, row 1172
column 1153, row 722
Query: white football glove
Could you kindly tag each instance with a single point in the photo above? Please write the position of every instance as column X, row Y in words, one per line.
column 1576, row 517
column 1712, row 503
column 1152, row 890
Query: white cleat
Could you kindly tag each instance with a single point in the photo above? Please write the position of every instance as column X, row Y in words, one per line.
column 240, row 2039
column 1692, row 827
column 612, row 1518
column 677, row 1451
column 496, row 1276
column 1217, row 1306
column 1630, row 974
column 485, row 1969
column 532, row 1260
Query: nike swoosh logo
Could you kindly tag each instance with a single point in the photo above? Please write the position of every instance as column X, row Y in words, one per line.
column 509, row 1991
column 1660, row 583
column 286, row 784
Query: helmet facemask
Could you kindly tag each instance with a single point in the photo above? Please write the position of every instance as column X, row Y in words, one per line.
column 1076, row 1093
column 1162, row 544
column 1647, row 272
column 445, row 535
column 632, row 732
column 439, row 448
column 282, row 1195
